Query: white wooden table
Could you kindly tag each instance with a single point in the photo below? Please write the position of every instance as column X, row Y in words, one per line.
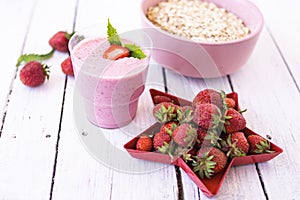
column 41, row 156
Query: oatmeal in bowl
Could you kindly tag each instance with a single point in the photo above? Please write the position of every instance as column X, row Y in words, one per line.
column 202, row 39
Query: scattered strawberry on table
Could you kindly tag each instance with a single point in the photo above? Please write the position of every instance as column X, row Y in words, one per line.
column 58, row 42
column 67, row 66
column 34, row 74
column 144, row 143
column 207, row 134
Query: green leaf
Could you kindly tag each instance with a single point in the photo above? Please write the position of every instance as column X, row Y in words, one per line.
column 25, row 58
column 112, row 35
column 135, row 51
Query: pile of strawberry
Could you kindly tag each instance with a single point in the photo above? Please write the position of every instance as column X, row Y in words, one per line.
column 34, row 71
column 207, row 134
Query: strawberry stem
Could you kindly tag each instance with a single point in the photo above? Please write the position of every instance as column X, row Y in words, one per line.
column 25, row 58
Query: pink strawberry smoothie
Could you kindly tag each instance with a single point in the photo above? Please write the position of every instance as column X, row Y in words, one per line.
column 110, row 89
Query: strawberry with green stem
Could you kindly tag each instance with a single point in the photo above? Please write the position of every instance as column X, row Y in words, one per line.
column 259, row 145
column 60, row 40
column 165, row 112
column 209, row 161
column 34, row 74
column 234, row 121
column 235, row 145
column 120, row 50
column 161, row 141
column 185, row 135
column 208, row 96
column 207, row 116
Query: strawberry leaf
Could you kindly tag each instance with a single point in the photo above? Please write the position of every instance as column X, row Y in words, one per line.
column 25, row 58
column 112, row 35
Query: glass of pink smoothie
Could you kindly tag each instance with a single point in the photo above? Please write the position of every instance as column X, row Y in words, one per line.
column 110, row 89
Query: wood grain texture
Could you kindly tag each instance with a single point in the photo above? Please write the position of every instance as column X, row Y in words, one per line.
column 272, row 100
column 282, row 21
column 33, row 114
column 14, row 19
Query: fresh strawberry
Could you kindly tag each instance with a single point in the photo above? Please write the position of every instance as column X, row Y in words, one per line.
column 235, row 145
column 115, row 52
column 208, row 96
column 207, row 115
column 185, row 114
column 161, row 141
column 258, row 144
column 59, row 41
column 207, row 138
column 144, row 143
column 185, row 135
column 165, row 112
column 67, row 67
column 34, row 74
column 201, row 132
column 159, row 99
column 209, row 161
column 230, row 102
column 234, row 121
column 169, row 127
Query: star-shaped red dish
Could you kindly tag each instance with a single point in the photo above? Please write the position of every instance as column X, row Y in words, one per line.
column 209, row 187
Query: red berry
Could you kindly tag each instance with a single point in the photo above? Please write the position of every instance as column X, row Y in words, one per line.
column 165, row 112
column 258, row 144
column 201, row 135
column 209, row 161
column 207, row 115
column 235, row 145
column 234, row 121
column 159, row 99
column 161, row 140
column 59, row 41
column 230, row 102
column 144, row 143
column 208, row 96
column 115, row 52
column 67, row 67
column 169, row 127
column 34, row 74
column 184, row 135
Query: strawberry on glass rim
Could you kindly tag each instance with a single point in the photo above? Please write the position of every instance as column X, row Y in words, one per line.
column 117, row 49
column 115, row 52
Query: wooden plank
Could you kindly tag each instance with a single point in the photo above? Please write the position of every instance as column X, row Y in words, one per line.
column 268, row 91
column 285, row 28
column 233, row 184
column 32, row 122
column 105, row 178
column 14, row 19
column 110, row 181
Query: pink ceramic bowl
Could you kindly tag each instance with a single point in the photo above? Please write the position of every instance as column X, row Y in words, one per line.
column 205, row 59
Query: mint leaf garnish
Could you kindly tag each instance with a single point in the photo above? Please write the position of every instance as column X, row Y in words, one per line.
column 135, row 51
column 114, row 38
column 25, row 58
column 112, row 35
